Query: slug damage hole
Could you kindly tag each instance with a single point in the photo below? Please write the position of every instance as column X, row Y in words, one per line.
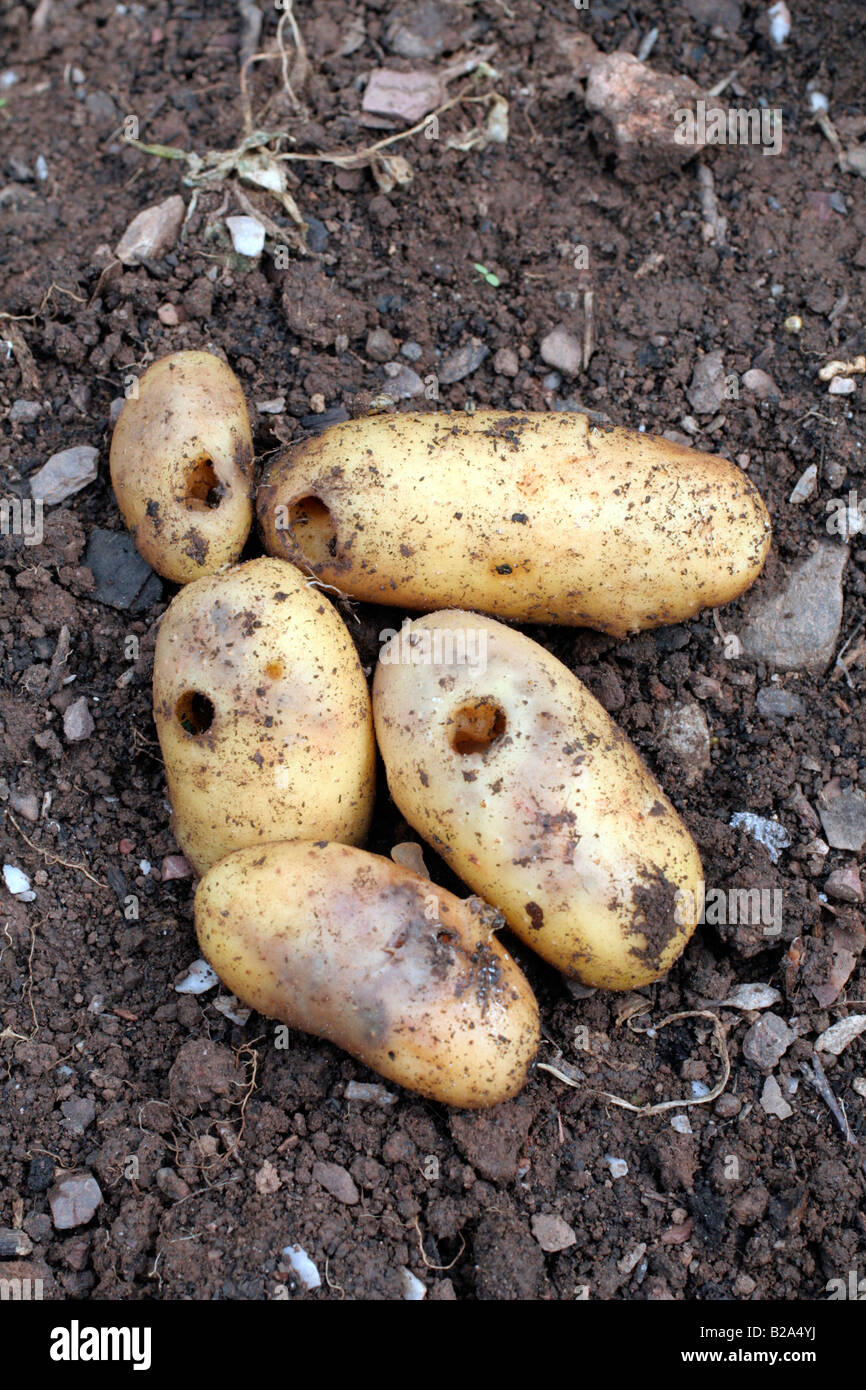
column 204, row 491
column 477, row 726
column 195, row 712
column 312, row 528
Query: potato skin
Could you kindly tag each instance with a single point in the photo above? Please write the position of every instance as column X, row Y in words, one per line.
column 190, row 409
column 289, row 753
column 558, row 822
column 542, row 518
column 361, row 951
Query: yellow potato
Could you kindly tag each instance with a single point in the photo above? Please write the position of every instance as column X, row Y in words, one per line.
column 361, row 951
column 536, row 517
column 263, row 714
column 507, row 765
column 181, row 466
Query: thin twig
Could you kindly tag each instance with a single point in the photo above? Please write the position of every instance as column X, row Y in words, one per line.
column 51, row 858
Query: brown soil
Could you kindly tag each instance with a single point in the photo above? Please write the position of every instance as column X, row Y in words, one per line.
column 104, row 1067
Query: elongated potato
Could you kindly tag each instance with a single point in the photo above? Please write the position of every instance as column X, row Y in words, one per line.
column 181, row 466
column 540, row 518
column 507, row 765
column 377, row 959
column 263, row 714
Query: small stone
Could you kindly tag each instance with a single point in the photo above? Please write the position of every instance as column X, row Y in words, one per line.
column 744, row 1285
column 844, row 885
column 65, row 474
column 73, row 1200
column 842, row 386
column 24, row 412
column 843, row 818
column 198, row 979
column 317, row 403
column 462, row 363
column 78, row 721
column 772, row 1100
column 561, row 349
column 798, row 627
column 273, row 407
column 168, row 314
column 17, row 883
column 248, row 236
column 836, row 1038
column 202, row 1072
column 412, row 351
column 707, row 389
column 506, row 362
column 727, row 1106
column 635, row 106
column 302, row 1267
column 13, row 1243
column 101, row 108
column 122, row 578
column 152, row 233
column 776, row 703
column 552, row 1233
column 317, row 235
column 406, row 95
column 175, row 866
column 681, row 1124
column 25, row 804
column 767, row 1041
column 618, row 1166
column 632, row 1259
column 381, row 347
column 401, row 382
column 552, row 381
column 752, row 996
column 370, row 1092
column 760, row 383
column 78, row 1114
column 413, row 1290
column 805, row 487
column 685, row 733
column 267, row 1180
column 336, row 1180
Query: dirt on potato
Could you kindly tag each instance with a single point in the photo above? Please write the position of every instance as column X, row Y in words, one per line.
column 217, row 1144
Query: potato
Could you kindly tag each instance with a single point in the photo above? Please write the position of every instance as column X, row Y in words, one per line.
column 181, row 466
column 361, row 951
column 542, row 518
column 263, row 714
column 508, row 766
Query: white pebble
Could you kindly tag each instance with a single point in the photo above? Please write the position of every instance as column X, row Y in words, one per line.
column 752, row 996
column 818, row 102
column 618, row 1166
column 231, row 1008
column 769, row 833
column 806, row 486
column 302, row 1267
column 369, row 1090
column 197, row 980
column 681, row 1124
column 780, row 22
column 145, row 866
column 41, row 168
column 836, row 1038
column 248, row 235
column 18, row 883
column 842, row 386
column 413, row 1289
column 700, row 1088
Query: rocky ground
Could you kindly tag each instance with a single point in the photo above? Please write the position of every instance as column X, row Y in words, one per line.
column 571, row 257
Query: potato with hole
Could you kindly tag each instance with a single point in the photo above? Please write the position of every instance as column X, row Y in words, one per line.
column 375, row 958
column 181, row 466
column 507, row 765
column 541, row 518
column 263, row 714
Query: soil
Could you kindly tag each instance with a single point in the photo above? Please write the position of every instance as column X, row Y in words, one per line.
column 213, row 1147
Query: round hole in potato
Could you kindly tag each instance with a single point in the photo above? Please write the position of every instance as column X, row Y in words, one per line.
column 204, row 491
column 195, row 712
column 477, row 725
column 312, row 526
